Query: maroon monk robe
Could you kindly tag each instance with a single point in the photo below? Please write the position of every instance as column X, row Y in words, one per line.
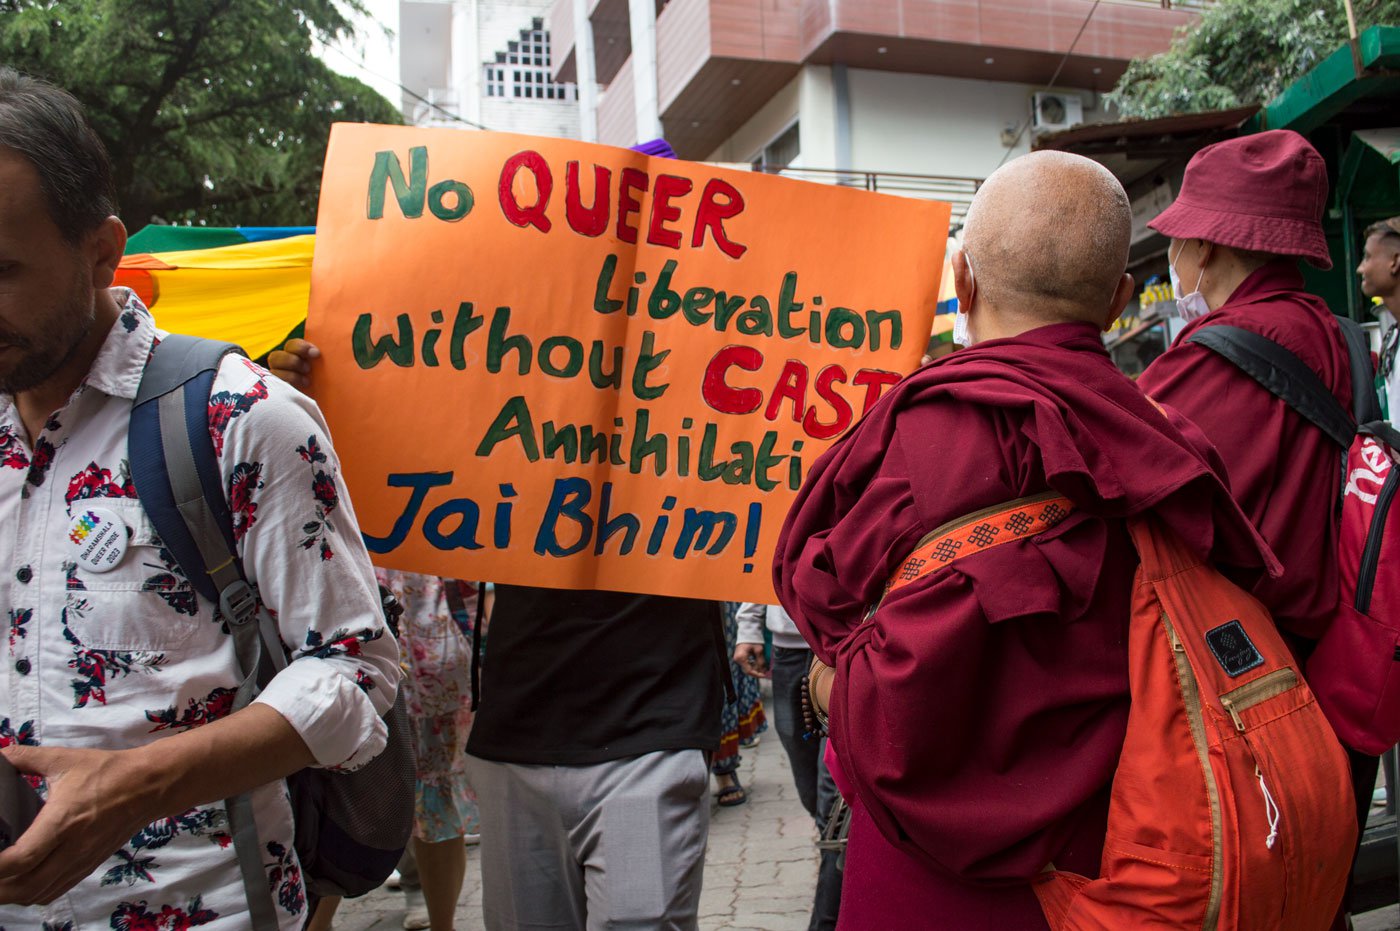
column 979, row 714
column 1284, row 471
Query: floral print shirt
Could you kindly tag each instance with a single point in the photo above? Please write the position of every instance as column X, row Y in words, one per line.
column 437, row 687
column 120, row 658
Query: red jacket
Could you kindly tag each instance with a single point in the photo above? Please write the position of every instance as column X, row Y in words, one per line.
column 1284, row 472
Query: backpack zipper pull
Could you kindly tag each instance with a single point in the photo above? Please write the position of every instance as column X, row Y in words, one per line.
column 1229, row 706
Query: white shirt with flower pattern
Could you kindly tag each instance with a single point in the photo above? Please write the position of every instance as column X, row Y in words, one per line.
column 125, row 657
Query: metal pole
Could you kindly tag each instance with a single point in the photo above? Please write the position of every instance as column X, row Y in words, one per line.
column 1390, row 792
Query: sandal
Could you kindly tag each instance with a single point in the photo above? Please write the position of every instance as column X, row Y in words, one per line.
column 733, row 794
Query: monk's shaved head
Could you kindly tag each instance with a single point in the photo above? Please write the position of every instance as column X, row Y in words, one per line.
column 1047, row 235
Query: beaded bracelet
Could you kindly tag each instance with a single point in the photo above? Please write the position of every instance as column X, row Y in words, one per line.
column 814, row 720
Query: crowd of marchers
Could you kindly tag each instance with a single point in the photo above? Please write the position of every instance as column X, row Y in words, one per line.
column 1056, row 649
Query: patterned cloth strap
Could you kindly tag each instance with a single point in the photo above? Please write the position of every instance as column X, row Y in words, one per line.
column 980, row 531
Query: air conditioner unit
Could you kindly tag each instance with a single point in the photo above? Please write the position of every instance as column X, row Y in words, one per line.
column 1052, row 112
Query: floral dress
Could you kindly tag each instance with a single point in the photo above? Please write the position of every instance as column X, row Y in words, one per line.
column 744, row 717
column 437, row 690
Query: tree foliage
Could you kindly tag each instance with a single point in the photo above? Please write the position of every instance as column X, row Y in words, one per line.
column 214, row 111
column 1241, row 52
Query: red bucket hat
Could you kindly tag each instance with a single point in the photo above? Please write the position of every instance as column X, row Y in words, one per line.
column 1264, row 193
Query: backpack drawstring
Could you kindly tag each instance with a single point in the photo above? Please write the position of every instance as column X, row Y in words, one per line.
column 1270, row 810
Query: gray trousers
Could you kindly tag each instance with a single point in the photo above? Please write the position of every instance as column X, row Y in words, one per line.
column 611, row 846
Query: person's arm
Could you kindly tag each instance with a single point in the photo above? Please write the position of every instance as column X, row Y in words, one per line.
column 1203, row 394
column 820, row 677
column 98, row 799
column 748, row 649
column 750, row 621
column 301, row 546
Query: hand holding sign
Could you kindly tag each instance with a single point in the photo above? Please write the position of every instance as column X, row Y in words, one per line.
column 292, row 363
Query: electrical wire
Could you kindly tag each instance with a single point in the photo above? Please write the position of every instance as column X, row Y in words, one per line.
column 419, row 97
column 1053, row 78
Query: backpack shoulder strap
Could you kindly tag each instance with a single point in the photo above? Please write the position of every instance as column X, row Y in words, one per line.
column 174, row 467
column 1365, row 398
column 177, row 477
column 178, row 358
column 1366, row 402
column 1284, row 375
column 1363, row 386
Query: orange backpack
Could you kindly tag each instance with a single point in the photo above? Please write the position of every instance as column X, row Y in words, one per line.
column 1231, row 804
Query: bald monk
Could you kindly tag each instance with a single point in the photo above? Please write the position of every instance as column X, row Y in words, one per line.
column 979, row 714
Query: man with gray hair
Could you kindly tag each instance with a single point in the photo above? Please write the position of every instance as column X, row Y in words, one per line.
column 979, row 711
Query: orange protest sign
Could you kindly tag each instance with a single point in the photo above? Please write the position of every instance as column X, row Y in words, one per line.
column 561, row 364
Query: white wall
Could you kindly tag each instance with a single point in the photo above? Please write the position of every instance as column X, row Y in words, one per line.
column 447, row 44
column 763, row 127
column 557, row 118
column 919, row 124
column 938, row 126
column 498, row 23
column 425, row 41
column 502, row 20
column 818, row 129
column 807, row 98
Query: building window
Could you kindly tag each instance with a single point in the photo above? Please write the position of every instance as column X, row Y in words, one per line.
column 495, row 81
column 779, row 153
column 522, row 70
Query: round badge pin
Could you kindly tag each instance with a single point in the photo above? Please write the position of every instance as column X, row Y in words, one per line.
column 97, row 539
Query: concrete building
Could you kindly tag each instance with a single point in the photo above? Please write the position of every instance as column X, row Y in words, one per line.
column 914, row 96
column 463, row 63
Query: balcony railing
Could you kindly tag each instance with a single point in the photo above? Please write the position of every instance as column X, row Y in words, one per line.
column 435, row 108
column 956, row 191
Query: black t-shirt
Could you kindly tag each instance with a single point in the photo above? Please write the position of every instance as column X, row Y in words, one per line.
column 572, row 678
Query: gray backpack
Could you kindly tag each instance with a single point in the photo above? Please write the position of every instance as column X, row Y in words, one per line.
column 351, row 828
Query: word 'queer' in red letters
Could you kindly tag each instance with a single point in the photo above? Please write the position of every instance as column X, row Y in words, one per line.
column 719, row 201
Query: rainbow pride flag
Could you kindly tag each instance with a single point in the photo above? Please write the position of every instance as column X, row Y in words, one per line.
column 247, row 285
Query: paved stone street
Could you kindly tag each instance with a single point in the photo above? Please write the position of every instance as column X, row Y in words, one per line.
column 1382, row 919
column 760, row 869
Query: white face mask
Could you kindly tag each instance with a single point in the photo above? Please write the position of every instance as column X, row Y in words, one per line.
column 1188, row 306
column 961, row 336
